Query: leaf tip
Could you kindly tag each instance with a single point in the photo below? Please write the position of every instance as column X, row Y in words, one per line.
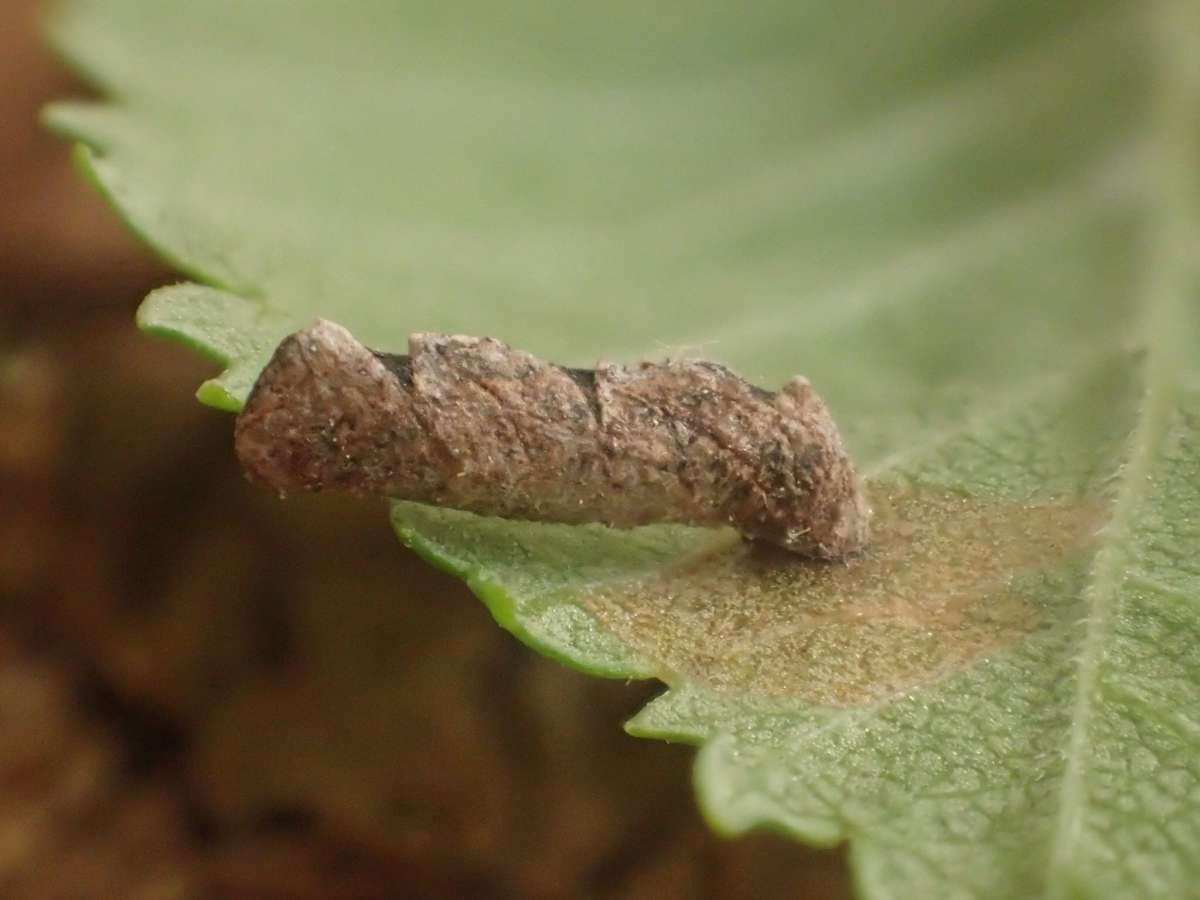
column 732, row 805
column 214, row 394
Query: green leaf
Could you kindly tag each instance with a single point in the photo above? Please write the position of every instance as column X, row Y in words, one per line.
column 975, row 227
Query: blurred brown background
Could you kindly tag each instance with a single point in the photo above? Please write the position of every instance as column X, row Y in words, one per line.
column 205, row 692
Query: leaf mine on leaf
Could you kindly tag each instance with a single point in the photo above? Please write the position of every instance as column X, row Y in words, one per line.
column 943, row 582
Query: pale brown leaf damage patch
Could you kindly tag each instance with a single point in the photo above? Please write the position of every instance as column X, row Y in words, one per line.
column 940, row 586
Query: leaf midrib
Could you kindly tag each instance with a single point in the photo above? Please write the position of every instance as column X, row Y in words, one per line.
column 1171, row 160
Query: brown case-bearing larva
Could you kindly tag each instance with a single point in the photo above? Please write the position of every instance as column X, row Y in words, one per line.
column 470, row 423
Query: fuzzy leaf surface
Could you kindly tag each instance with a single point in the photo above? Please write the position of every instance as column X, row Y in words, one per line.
column 974, row 226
